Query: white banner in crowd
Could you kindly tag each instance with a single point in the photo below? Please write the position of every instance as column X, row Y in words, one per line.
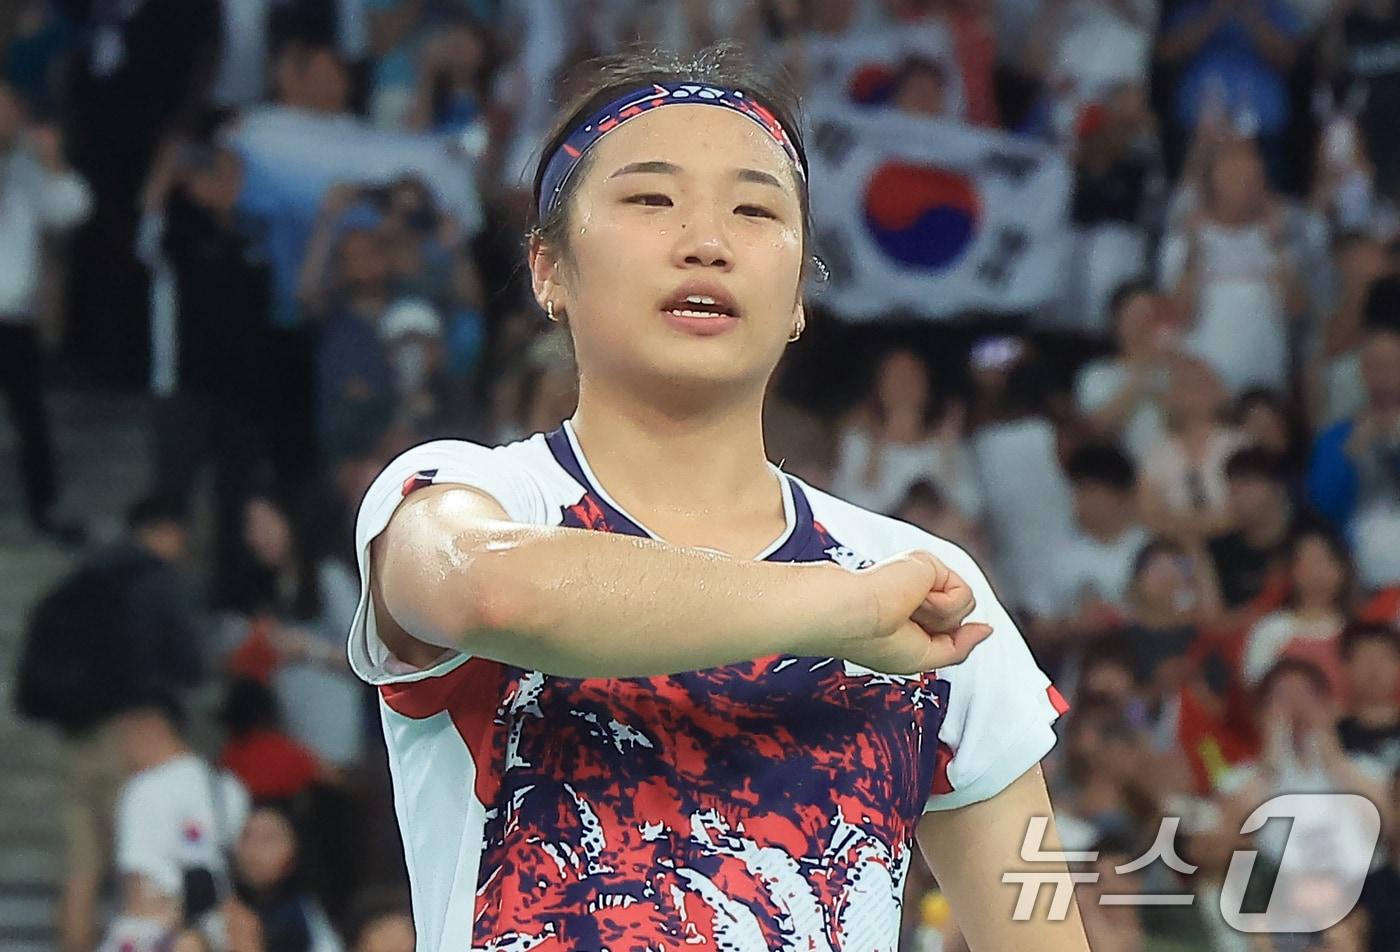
column 318, row 151
column 934, row 218
column 863, row 68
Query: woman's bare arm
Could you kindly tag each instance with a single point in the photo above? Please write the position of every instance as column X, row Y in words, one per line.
column 970, row 848
column 450, row 570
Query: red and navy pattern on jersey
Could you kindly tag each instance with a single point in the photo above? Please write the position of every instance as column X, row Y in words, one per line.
column 418, row 480
column 763, row 805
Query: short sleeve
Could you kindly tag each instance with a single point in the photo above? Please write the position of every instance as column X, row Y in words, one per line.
column 1263, row 645
column 491, row 470
column 141, row 825
column 1171, row 265
column 237, row 804
column 1001, row 706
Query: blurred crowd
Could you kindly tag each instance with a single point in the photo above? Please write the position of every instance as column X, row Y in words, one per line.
column 299, row 223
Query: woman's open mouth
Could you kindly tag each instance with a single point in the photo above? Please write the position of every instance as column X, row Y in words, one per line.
column 703, row 311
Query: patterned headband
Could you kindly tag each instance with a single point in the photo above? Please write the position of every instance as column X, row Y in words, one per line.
column 566, row 158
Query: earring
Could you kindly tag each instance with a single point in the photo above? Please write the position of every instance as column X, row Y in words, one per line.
column 797, row 329
column 549, row 312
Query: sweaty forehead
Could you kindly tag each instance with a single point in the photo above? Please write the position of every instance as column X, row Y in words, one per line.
column 700, row 139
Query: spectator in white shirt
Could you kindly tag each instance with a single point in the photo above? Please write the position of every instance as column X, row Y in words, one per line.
column 177, row 818
column 1183, row 489
column 1309, row 625
column 1232, row 269
column 1121, row 396
column 1095, row 567
column 38, row 193
column 1015, row 451
column 900, row 435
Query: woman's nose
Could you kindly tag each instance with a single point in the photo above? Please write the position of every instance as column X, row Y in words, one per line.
column 704, row 244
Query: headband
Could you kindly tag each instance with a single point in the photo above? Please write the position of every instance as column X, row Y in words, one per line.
column 570, row 152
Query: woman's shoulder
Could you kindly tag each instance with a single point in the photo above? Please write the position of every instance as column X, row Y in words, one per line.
column 523, row 476
column 444, row 453
column 876, row 536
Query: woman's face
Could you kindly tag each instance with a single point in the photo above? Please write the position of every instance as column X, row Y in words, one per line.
column 682, row 203
column 1294, row 701
column 902, row 381
column 468, row 50
column 1110, row 680
column 266, row 533
column 1317, row 574
column 365, row 261
column 266, row 850
column 1374, row 669
column 1238, row 184
column 1162, row 581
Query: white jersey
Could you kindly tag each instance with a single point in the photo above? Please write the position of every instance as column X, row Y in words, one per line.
column 765, row 805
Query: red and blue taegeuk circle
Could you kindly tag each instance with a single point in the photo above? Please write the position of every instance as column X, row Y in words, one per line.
column 872, row 84
column 921, row 216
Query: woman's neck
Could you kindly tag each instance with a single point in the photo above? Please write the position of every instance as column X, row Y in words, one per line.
column 677, row 466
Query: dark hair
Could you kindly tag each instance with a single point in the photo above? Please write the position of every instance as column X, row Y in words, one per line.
column 1285, row 667
column 1382, row 313
column 1337, row 546
column 158, row 509
column 369, row 907
column 312, row 541
column 249, row 705
column 923, row 493
column 1295, row 430
column 1254, row 463
column 1115, row 843
column 1361, row 631
column 1092, row 714
column 301, row 43
column 934, row 406
column 287, row 926
column 723, row 64
column 1124, row 293
column 1101, row 463
column 1107, row 650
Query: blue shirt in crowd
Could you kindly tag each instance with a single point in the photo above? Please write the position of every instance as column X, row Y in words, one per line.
column 1229, row 66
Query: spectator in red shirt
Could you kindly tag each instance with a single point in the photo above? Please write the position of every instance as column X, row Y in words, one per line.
column 271, row 764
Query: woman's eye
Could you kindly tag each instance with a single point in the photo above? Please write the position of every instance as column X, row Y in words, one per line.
column 650, row 199
column 755, row 211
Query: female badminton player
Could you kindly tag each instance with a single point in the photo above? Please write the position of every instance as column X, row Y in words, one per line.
column 641, row 689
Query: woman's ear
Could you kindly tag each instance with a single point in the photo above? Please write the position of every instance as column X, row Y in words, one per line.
column 544, row 272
